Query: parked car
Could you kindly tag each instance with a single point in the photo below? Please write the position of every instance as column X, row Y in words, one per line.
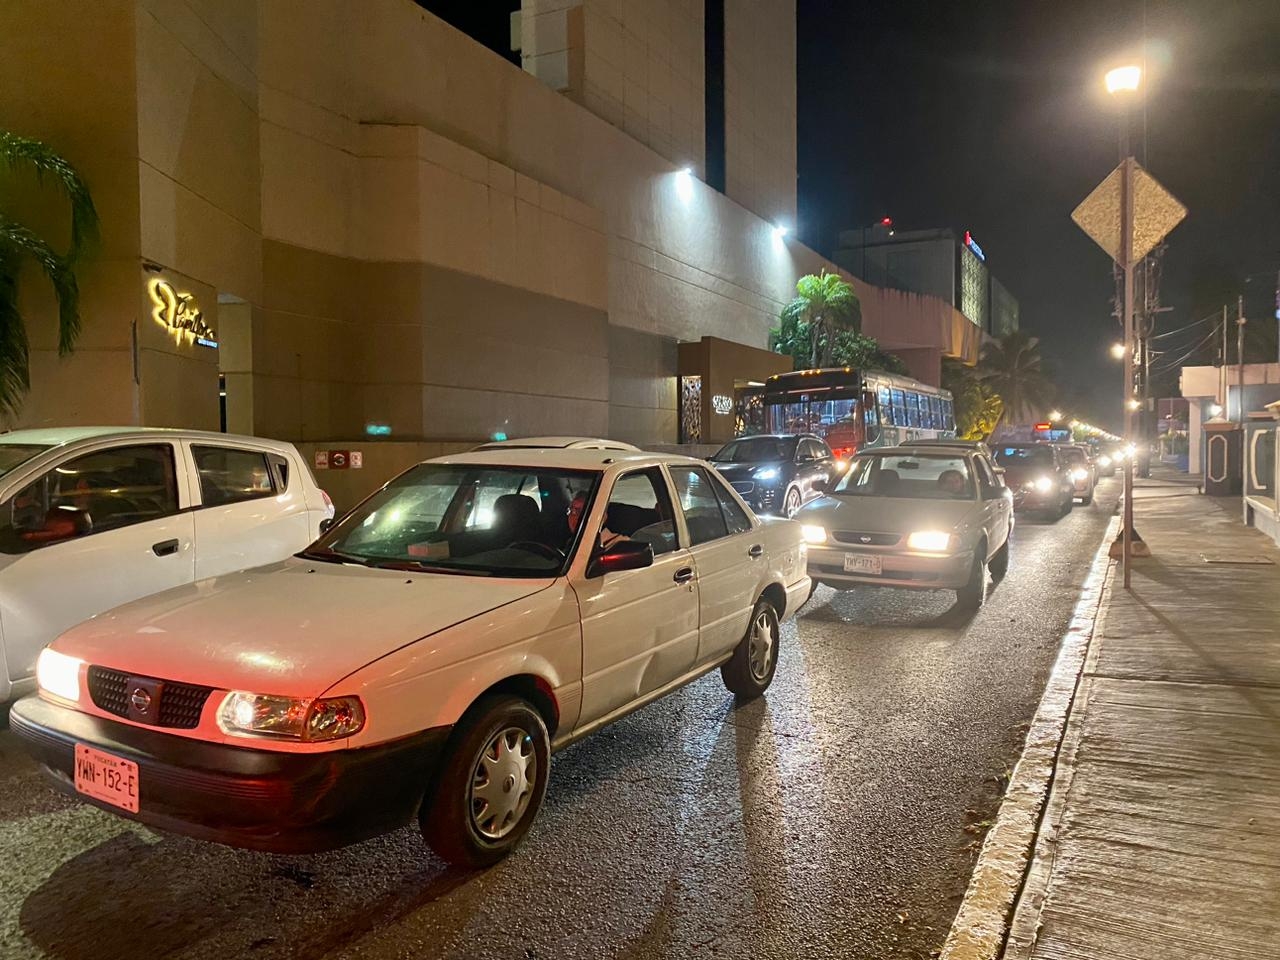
column 91, row 518
column 776, row 473
column 1084, row 475
column 1106, row 458
column 558, row 443
column 920, row 516
column 423, row 658
column 1039, row 478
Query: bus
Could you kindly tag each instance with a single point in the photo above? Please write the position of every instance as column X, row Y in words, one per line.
column 850, row 409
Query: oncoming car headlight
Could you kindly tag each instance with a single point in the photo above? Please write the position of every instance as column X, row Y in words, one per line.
column 295, row 718
column 766, row 473
column 58, row 674
column 1043, row 484
column 1104, row 461
column 1079, row 473
column 813, row 533
column 930, row 541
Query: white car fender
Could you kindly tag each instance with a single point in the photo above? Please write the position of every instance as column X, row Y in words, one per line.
column 433, row 681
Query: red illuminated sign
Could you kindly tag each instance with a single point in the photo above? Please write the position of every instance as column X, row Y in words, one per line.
column 1044, row 426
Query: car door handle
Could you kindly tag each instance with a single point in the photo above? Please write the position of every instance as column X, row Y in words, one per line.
column 683, row 575
column 755, row 551
column 165, row 548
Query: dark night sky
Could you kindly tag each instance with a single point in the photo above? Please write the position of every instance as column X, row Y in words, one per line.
column 990, row 116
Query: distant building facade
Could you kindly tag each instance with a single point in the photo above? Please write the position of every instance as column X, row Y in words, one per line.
column 936, row 263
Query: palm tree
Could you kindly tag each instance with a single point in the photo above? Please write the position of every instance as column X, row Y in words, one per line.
column 20, row 155
column 1012, row 368
column 824, row 306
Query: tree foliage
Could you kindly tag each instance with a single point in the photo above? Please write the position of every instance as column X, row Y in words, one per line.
column 1012, row 368
column 977, row 406
column 18, row 243
column 822, row 326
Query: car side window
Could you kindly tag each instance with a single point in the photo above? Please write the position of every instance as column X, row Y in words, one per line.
column 100, row 491
column 230, row 475
column 639, row 508
column 735, row 518
column 817, row 449
column 702, row 514
column 986, row 476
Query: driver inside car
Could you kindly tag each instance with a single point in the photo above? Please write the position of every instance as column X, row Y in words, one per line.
column 577, row 508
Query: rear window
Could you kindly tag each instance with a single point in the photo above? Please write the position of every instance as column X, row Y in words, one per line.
column 1024, row 457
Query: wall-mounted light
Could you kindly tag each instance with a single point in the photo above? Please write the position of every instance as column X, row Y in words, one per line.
column 684, row 184
column 1215, row 409
column 779, row 231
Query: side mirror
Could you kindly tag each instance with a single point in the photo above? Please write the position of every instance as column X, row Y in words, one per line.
column 327, row 524
column 61, row 524
column 623, row 555
column 819, row 485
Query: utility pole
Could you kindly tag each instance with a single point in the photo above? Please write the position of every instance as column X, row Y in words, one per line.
column 1222, row 372
column 1240, row 322
column 1126, row 262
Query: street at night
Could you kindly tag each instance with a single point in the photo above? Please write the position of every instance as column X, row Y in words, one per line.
column 839, row 815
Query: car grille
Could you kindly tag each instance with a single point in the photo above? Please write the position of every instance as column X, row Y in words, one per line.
column 180, row 703
column 743, row 486
column 864, row 539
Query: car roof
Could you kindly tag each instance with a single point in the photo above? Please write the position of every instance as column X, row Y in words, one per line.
column 932, row 450
column 58, row 436
column 775, row 436
column 557, row 443
column 562, row 458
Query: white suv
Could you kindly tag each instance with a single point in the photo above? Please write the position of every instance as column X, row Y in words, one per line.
column 93, row 517
column 423, row 658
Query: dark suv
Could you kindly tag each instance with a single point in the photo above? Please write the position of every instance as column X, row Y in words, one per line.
column 1039, row 477
column 775, row 473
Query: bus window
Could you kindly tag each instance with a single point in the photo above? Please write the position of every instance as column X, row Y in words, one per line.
column 948, row 421
column 913, row 409
column 886, row 407
column 899, row 408
column 935, row 413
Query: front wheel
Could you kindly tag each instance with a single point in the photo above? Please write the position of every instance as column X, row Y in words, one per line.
column 974, row 591
column 750, row 670
column 490, row 785
column 791, row 504
column 999, row 564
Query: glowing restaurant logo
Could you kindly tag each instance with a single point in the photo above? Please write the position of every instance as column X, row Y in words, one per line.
column 721, row 404
column 178, row 313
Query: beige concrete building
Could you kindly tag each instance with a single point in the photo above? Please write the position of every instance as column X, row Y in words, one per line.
column 387, row 228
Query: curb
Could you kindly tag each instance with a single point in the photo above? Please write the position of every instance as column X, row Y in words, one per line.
column 982, row 922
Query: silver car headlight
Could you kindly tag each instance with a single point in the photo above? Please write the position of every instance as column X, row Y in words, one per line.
column 812, row 533
column 1079, row 473
column 58, row 674
column 1043, row 484
column 929, row 541
column 296, row 718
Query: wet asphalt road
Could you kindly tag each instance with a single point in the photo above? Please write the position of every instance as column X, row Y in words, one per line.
column 840, row 816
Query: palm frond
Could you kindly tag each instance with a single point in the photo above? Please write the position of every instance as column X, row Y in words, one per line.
column 16, row 241
column 14, row 377
column 18, row 153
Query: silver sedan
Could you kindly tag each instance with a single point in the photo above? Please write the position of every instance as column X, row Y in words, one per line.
column 915, row 517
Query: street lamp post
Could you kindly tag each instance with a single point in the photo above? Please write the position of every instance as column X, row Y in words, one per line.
column 1122, row 82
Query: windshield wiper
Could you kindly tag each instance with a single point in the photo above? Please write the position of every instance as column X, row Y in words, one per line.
column 329, row 555
column 418, row 566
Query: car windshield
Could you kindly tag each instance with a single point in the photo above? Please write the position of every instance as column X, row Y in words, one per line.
column 757, row 450
column 1073, row 456
column 909, row 477
column 1025, row 457
column 478, row 519
column 16, row 454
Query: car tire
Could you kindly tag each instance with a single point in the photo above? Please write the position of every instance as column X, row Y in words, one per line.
column 508, row 736
column 791, row 503
column 1085, row 501
column 999, row 564
column 813, row 588
column 970, row 597
column 1067, row 505
column 750, row 670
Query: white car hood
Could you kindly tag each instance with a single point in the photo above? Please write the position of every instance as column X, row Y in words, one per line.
column 888, row 514
column 293, row 628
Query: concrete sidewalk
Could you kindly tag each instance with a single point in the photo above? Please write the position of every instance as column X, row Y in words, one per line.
column 1161, row 834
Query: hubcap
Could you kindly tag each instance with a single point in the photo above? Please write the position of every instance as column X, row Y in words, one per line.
column 502, row 784
column 793, row 502
column 763, row 646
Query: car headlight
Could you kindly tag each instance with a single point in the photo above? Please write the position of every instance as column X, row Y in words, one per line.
column 1079, row 473
column 1104, row 461
column 930, row 541
column 813, row 534
column 58, row 674
column 767, row 473
column 1044, row 484
column 296, row 718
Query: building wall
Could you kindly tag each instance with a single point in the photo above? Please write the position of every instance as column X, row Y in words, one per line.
column 760, row 106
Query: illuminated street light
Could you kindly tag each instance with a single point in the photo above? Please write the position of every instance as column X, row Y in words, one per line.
column 1055, row 414
column 1117, row 351
column 1123, row 79
column 1135, row 404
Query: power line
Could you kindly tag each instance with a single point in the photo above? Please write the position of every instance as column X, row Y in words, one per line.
column 1196, row 323
column 1162, row 366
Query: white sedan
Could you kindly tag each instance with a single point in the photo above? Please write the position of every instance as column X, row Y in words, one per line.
column 93, row 517
column 921, row 517
column 424, row 657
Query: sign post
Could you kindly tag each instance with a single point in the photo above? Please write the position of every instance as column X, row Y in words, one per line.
column 1128, row 214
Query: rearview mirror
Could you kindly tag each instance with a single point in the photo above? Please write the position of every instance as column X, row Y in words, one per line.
column 622, row 555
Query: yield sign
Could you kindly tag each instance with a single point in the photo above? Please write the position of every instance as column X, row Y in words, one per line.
column 1155, row 212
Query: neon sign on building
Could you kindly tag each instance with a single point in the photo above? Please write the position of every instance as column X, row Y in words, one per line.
column 179, row 314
